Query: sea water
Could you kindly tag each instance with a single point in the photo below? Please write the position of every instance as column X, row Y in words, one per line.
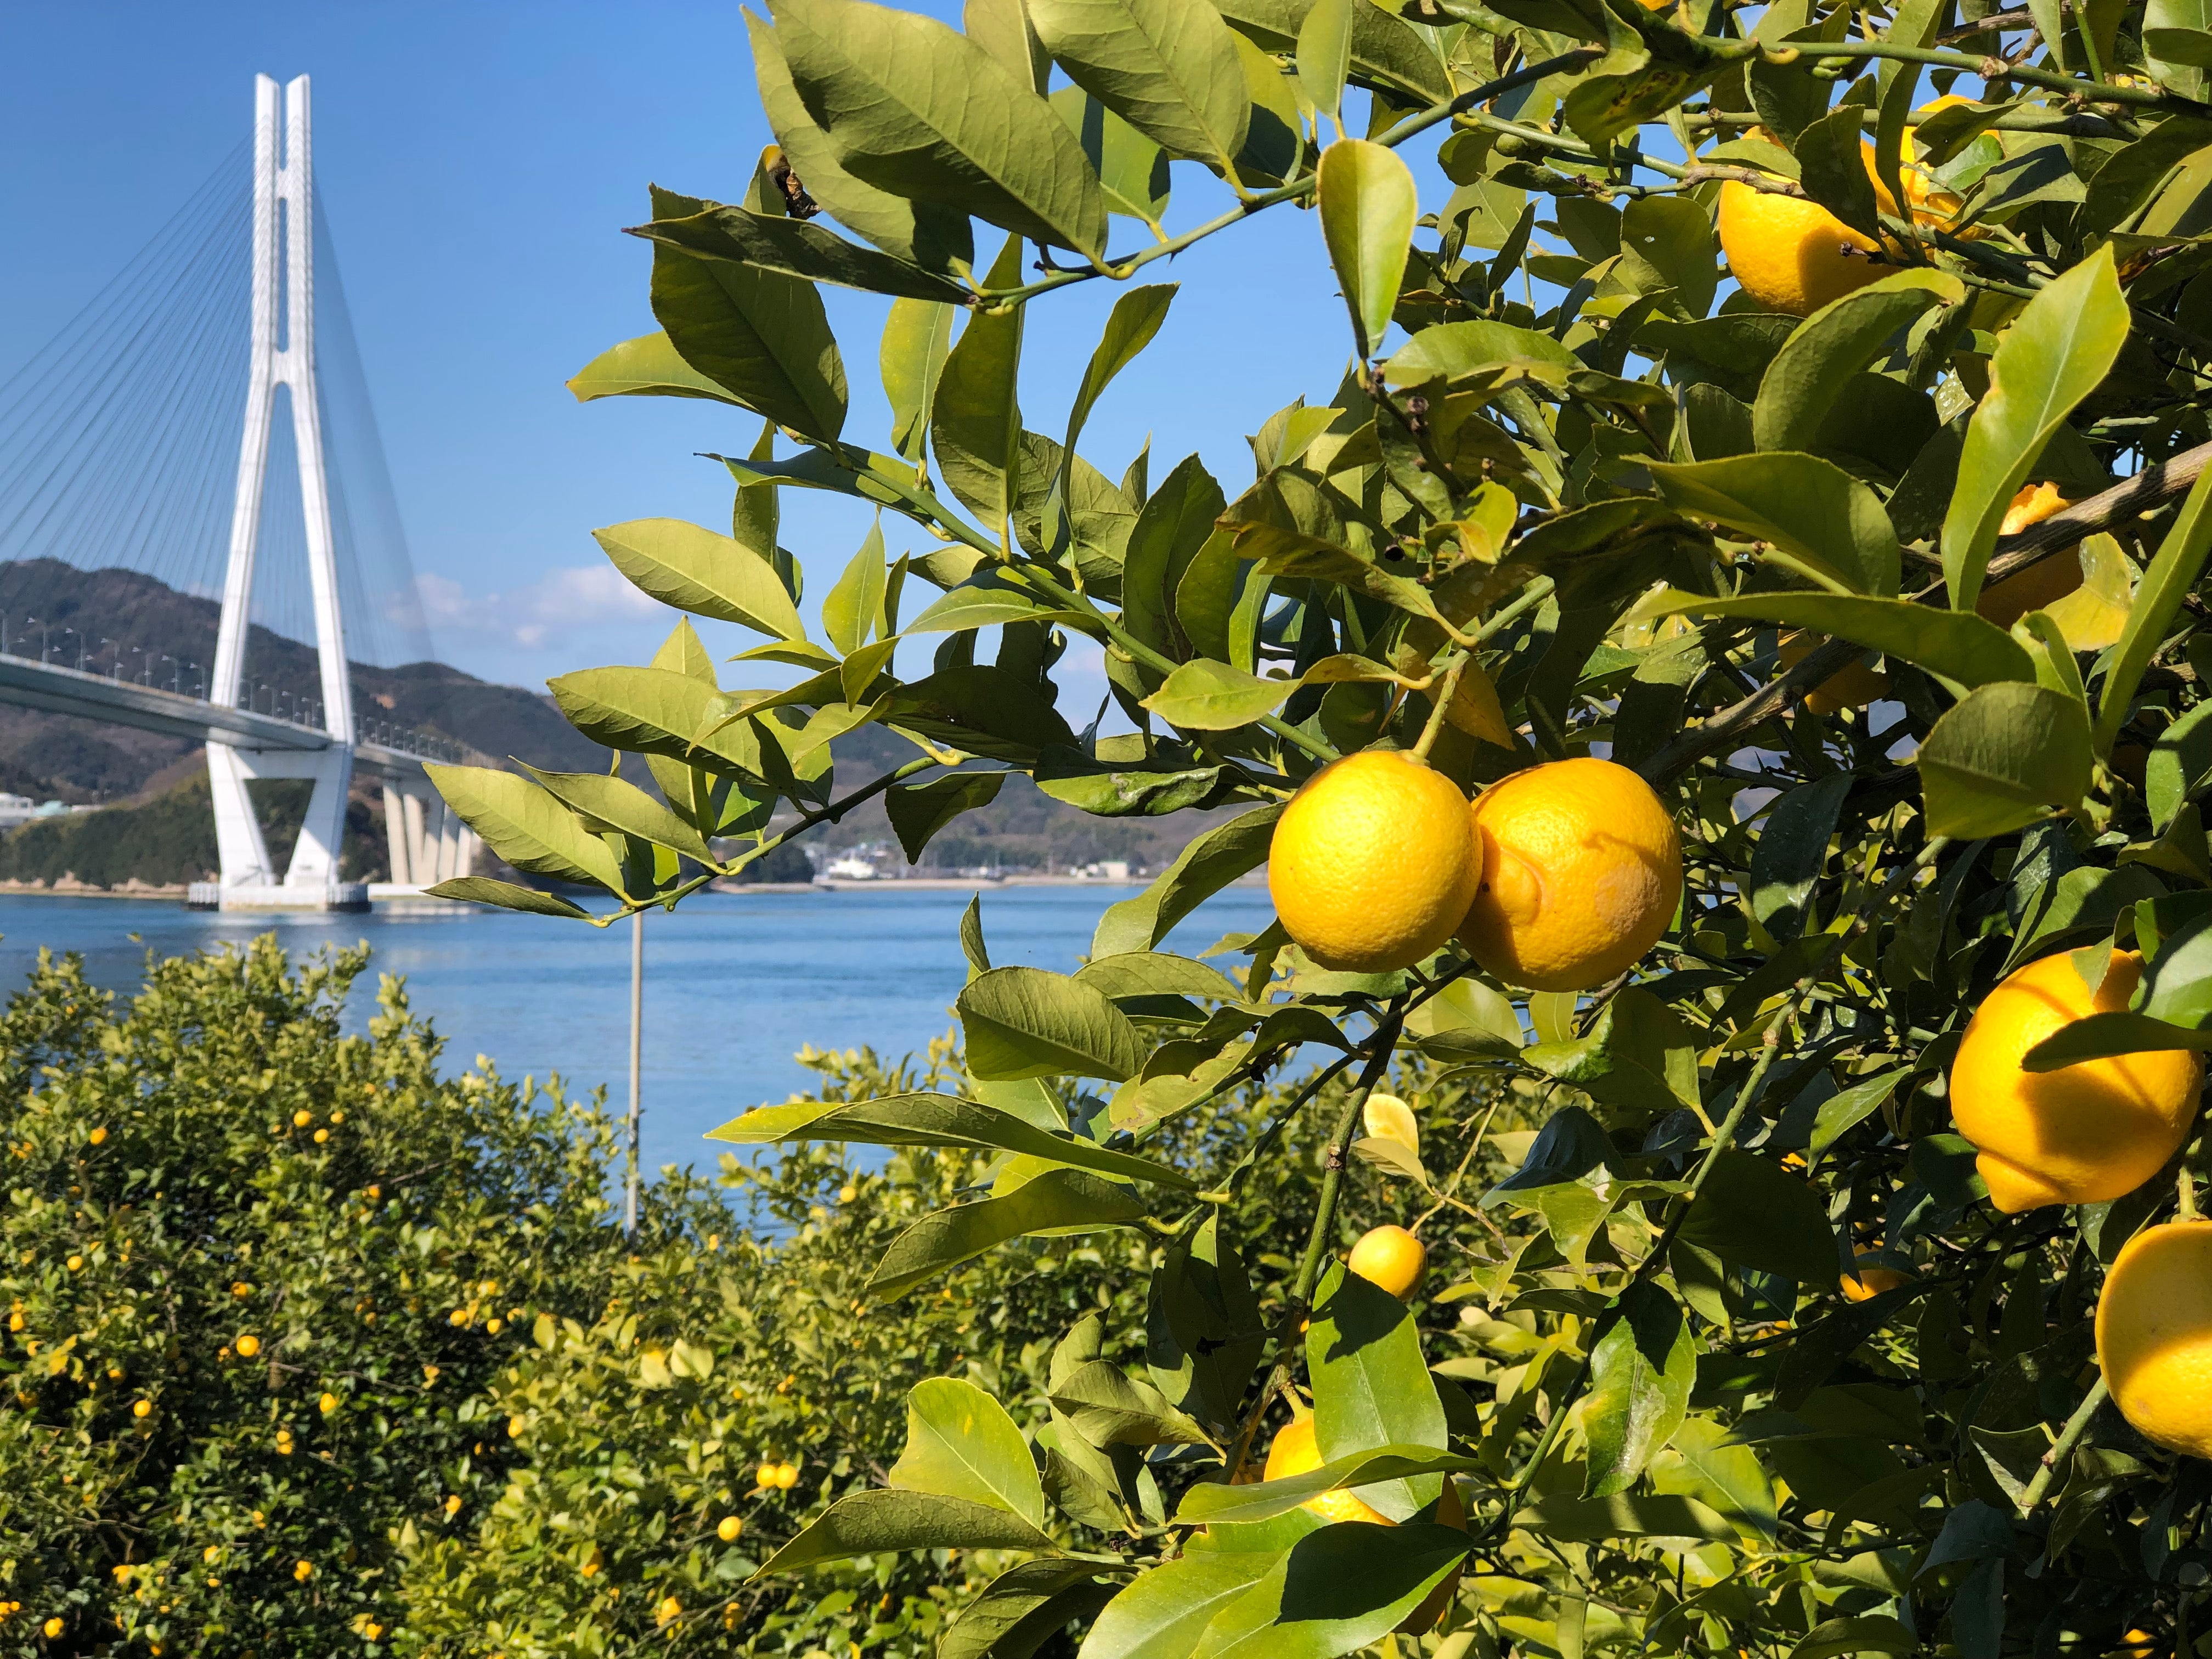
column 735, row 984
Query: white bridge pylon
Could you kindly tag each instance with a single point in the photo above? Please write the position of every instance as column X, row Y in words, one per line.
column 284, row 355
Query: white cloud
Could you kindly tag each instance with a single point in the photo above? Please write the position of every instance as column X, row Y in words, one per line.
column 544, row 613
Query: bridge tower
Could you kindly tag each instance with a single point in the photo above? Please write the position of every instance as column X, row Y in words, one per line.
column 284, row 355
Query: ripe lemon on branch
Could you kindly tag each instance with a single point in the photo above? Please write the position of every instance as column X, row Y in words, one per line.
column 2084, row 1133
column 1581, row 871
column 1390, row 1257
column 1373, row 863
column 2154, row 1334
column 1294, row 1451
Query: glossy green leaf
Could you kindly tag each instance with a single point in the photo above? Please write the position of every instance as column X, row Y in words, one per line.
column 1109, row 1407
column 982, row 709
column 654, row 711
column 2054, row 354
column 1385, row 52
column 621, row 805
column 709, row 574
column 1165, row 1612
column 934, row 237
column 1588, row 1520
column 760, row 334
column 1208, row 863
column 920, row 110
column 507, row 895
column 1024, row 1607
column 917, row 335
column 1175, row 524
column 1213, row 1503
column 1823, row 524
column 1754, row 1213
column 1324, row 52
column 2002, row 758
column 976, row 421
column 991, row 598
column 648, row 367
column 1335, row 1591
column 1205, row 695
column 1059, row 1199
column 1371, row 1386
column 1024, row 1022
column 1866, row 1633
column 1156, row 973
column 1112, row 789
column 852, row 610
column 527, row 825
column 1453, row 351
column 1130, row 327
column 879, row 1522
column 799, row 248
column 928, row 1120
column 918, row 811
column 2158, row 600
column 1728, row 1480
column 1667, row 241
column 1368, row 207
column 961, row 1443
column 1638, row 1056
column 1842, row 1112
column 1642, row 1372
column 1168, row 68
column 1956, row 645
column 1132, row 171
column 1792, row 852
column 1816, row 364
column 1202, row 1325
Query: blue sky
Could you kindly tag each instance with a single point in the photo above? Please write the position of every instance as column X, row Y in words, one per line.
column 478, row 161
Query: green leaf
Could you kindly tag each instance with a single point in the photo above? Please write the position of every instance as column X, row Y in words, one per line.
column 1638, row 1056
column 918, row 811
column 961, row 1443
column 1371, row 1386
column 1324, row 53
column 884, row 1522
column 1173, row 528
column 798, row 248
column 934, row 237
column 1817, row 363
column 1756, row 1214
column 976, row 422
column 981, row 708
column 1111, row 790
column 487, row 889
column 1873, row 1633
column 1642, row 1372
column 917, row 335
column 646, row 367
column 1727, row 1479
column 2054, row 354
column 2098, row 1037
column 1335, row 1591
column 761, row 334
column 1824, row 525
column 1215, row 1503
column 1136, row 317
column 1205, row 695
column 527, row 826
column 1168, row 68
column 1452, row 351
column 1024, row 1022
column 1956, row 645
column 1842, row 1112
column 920, row 110
column 1588, row 1520
column 621, row 805
column 929, row 1119
column 1385, row 52
column 1792, row 851
column 1203, row 1331
column 1369, row 205
column 2159, row 598
column 654, row 711
column 1157, row 973
column 1208, row 863
column 694, row 569
column 1164, row 1612
column 1024, row 1607
column 2001, row 758
column 852, row 610
column 1108, row 1407
column 1667, row 241
column 1059, row 1199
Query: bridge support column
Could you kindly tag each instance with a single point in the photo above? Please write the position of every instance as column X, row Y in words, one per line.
column 395, row 838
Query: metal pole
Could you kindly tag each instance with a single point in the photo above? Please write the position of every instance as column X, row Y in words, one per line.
column 637, row 1055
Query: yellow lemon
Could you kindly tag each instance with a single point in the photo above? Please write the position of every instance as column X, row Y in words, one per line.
column 1790, row 255
column 97, row 1136
column 728, row 1531
column 1372, row 865
column 764, row 1476
column 1868, row 1279
column 1853, row 686
column 2154, row 1334
column 2080, row 1134
column 1294, row 1451
column 249, row 1345
column 303, row 1571
column 143, row 1409
column 52, row 1628
column 787, row 1476
column 1581, row 871
column 2041, row 585
column 1390, row 1257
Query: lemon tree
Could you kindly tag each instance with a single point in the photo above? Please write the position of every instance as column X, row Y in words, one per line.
column 1792, row 418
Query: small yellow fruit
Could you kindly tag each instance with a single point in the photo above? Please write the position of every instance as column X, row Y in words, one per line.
column 303, row 1571
column 728, row 1531
column 668, row 1612
column 241, row 1288
column 300, row 1120
column 321, row 1135
column 2041, row 585
column 1868, row 1280
column 452, row 1503
column 1581, row 871
column 847, row 1193
column 141, row 1408
column 787, row 1476
column 1294, row 1451
column 1854, row 686
column 328, row 1403
column 1390, row 1257
column 52, row 1628
column 515, row 1425
column 2154, row 1334
column 97, row 1136
column 1371, row 865
column 74, row 1264
column 211, row 1554
column 248, row 1346
column 2082, row 1134
column 764, row 1476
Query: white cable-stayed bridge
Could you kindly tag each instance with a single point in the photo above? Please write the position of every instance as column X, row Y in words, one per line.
column 205, row 421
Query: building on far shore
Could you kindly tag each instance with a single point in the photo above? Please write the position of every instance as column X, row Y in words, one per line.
column 17, row 810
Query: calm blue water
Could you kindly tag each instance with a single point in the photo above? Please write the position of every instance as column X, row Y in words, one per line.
column 733, row 986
